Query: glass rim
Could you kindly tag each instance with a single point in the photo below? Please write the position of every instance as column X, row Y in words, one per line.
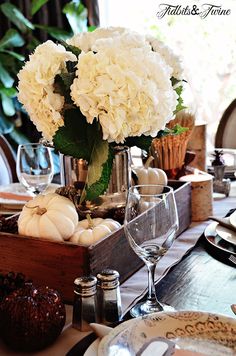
column 131, row 189
column 32, row 145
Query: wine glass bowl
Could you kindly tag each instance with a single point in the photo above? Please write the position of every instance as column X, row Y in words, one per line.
column 34, row 167
column 151, row 222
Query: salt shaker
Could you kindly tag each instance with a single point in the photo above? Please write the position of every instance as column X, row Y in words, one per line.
column 109, row 300
column 85, row 303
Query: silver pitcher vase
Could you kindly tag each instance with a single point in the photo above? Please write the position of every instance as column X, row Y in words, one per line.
column 112, row 202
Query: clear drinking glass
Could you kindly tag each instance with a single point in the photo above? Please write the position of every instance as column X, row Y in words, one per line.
column 34, row 167
column 151, row 222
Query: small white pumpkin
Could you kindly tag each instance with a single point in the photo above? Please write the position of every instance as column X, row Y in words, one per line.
column 50, row 216
column 147, row 176
column 89, row 231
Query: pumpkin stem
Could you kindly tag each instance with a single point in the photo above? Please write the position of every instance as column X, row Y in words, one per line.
column 148, row 161
column 39, row 211
column 90, row 221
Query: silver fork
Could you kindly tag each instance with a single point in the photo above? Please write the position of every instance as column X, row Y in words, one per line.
column 232, row 258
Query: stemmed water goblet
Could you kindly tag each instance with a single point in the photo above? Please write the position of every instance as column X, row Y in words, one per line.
column 150, row 224
column 34, row 167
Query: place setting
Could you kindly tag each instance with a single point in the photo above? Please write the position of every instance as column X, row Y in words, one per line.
column 221, row 238
column 34, row 167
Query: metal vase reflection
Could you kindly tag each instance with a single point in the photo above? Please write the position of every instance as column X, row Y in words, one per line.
column 73, row 172
column 112, row 203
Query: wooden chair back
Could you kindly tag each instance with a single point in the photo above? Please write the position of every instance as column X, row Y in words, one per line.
column 7, row 162
column 225, row 135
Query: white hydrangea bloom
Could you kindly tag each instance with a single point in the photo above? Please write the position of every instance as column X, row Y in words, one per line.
column 122, row 80
column 36, row 91
column 86, row 40
column 168, row 55
column 127, row 88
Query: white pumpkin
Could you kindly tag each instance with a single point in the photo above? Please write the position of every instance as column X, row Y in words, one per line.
column 89, row 231
column 147, row 176
column 50, row 216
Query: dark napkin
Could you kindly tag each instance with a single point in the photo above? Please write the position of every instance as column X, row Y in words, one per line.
column 81, row 346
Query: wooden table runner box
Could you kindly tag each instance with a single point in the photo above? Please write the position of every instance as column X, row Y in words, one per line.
column 57, row 264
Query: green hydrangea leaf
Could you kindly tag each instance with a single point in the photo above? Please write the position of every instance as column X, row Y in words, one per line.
column 76, row 137
column 79, row 139
column 99, row 156
column 100, row 186
column 142, row 142
column 75, row 50
column 62, row 85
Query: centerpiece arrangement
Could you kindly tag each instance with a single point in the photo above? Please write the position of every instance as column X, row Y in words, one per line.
column 98, row 90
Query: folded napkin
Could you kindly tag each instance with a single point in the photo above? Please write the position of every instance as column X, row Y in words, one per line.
column 90, row 343
column 15, row 196
column 13, row 201
column 12, row 198
column 100, row 329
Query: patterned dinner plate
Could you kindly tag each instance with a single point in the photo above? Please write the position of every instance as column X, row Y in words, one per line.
column 199, row 332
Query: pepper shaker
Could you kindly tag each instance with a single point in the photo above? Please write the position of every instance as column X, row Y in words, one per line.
column 85, row 303
column 109, row 300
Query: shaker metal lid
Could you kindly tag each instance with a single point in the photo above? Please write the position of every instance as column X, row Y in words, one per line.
column 108, row 275
column 85, row 281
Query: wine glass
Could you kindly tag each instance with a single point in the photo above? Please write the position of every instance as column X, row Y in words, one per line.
column 150, row 225
column 34, row 166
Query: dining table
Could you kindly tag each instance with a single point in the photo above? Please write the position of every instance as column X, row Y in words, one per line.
column 191, row 276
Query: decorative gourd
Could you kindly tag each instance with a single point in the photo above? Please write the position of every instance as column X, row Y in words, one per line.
column 147, row 175
column 48, row 216
column 90, row 230
column 32, row 318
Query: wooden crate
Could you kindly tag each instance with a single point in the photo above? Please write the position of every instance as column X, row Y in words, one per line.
column 57, row 264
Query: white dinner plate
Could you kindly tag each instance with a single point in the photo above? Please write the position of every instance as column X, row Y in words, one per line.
column 232, row 219
column 202, row 332
column 226, row 234
column 92, row 350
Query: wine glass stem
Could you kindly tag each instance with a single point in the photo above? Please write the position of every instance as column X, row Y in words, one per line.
column 152, row 298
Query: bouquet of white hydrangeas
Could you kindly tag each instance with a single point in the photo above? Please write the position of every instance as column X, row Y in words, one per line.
column 98, row 90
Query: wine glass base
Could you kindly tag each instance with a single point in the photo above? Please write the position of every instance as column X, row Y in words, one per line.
column 143, row 308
